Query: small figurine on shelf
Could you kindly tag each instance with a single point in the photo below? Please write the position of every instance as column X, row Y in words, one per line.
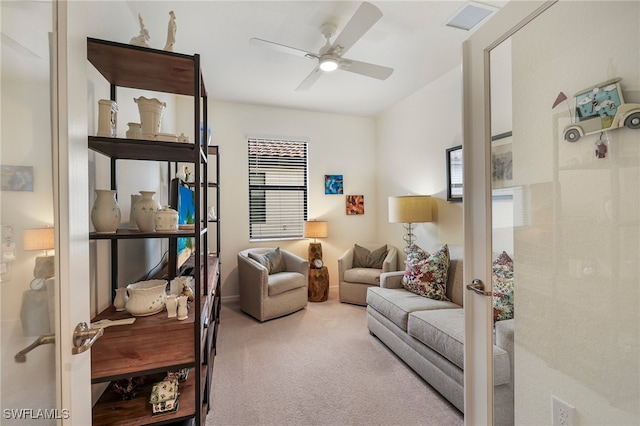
column 142, row 38
column 187, row 291
column 171, row 33
column 182, row 308
column 172, row 305
column 187, row 174
column 128, row 388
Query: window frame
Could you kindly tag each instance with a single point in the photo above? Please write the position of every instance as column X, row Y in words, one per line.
column 286, row 163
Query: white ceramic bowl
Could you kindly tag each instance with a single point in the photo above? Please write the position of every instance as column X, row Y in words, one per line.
column 146, row 297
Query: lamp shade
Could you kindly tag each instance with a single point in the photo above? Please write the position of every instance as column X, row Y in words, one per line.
column 315, row 229
column 410, row 209
column 39, row 239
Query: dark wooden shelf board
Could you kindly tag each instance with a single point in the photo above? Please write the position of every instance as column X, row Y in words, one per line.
column 143, row 68
column 142, row 149
column 112, row 410
column 127, row 234
column 152, row 343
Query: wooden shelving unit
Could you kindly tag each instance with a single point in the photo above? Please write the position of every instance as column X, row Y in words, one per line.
column 155, row 344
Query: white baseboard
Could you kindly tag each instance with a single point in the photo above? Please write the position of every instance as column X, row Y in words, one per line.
column 236, row 297
column 230, row 298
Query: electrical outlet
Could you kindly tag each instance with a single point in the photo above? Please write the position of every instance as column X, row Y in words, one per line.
column 563, row 413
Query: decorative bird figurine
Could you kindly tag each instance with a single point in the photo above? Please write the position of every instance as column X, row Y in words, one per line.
column 142, row 38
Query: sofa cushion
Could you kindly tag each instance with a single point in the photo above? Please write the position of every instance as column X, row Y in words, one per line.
column 397, row 303
column 502, row 283
column 272, row 260
column 364, row 258
column 443, row 331
column 363, row 276
column 455, row 287
column 426, row 274
column 284, row 281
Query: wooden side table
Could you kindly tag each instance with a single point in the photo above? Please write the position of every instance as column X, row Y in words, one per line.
column 318, row 284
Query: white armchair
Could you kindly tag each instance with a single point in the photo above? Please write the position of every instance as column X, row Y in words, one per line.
column 355, row 279
column 265, row 295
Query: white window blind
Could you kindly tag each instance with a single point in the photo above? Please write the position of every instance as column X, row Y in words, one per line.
column 277, row 188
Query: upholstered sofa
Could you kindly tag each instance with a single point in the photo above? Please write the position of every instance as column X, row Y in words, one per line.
column 269, row 291
column 428, row 335
column 353, row 280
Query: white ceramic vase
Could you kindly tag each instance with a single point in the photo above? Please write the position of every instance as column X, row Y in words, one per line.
column 134, row 131
column 133, row 225
column 150, row 115
column 105, row 214
column 145, row 211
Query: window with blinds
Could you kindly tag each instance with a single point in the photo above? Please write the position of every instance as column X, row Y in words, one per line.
column 277, row 188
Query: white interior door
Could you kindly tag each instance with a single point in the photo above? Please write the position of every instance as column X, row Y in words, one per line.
column 478, row 372
column 42, row 292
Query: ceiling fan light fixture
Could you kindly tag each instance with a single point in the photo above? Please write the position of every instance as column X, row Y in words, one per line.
column 328, row 64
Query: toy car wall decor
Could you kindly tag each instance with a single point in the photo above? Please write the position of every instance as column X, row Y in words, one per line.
column 599, row 108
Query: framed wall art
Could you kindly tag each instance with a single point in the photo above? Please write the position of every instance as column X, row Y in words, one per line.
column 501, row 160
column 454, row 173
column 355, row 204
column 16, row 178
column 333, row 184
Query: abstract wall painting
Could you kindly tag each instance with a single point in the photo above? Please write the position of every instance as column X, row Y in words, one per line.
column 355, row 204
column 16, row 178
column 333, row 184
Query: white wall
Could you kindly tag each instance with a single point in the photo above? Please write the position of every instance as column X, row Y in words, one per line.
column 26, row 138
column 412, row 137
column 337, row 145
column 577, row 271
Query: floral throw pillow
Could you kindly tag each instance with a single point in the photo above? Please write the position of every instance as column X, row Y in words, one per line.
column 426, row 274
column 502, row 278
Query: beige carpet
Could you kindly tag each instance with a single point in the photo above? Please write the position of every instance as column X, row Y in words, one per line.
column 318, row 366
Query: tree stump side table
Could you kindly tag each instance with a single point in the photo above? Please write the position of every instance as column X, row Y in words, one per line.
column 318, row 284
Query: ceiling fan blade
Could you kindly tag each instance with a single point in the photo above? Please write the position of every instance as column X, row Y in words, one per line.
column 364, row 68
column 282, row 48
column 364, row 18
column 311, row 78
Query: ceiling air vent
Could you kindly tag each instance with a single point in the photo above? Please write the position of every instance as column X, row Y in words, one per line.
column 470, row 15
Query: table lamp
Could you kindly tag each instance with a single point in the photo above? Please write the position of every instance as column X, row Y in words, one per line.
column 41, row 239
column 315, row 229
column 409, row 209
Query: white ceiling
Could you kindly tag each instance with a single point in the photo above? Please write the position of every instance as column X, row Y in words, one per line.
column 411, row 37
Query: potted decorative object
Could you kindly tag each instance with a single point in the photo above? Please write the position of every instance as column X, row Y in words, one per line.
column 150, row 115
column 127, row 388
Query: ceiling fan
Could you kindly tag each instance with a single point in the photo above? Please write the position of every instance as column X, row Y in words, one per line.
column 330, row 56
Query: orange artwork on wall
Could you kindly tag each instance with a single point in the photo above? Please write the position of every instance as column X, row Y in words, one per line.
column 355, row 204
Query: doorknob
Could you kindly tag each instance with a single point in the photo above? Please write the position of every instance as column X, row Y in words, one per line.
column 84, row 337
column 477, row 286
column 42, row 340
